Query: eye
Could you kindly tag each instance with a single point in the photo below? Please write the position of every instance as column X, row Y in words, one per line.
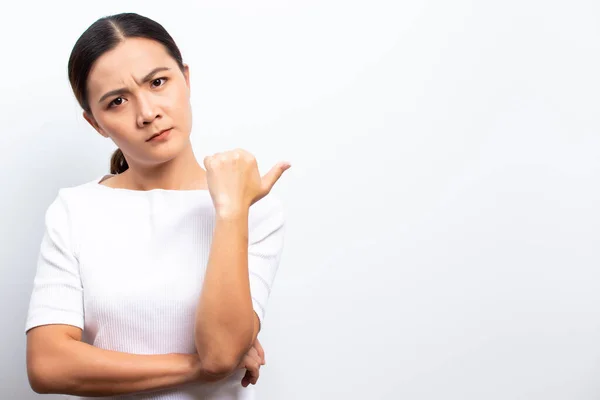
column 158, row 80
column 117, row 102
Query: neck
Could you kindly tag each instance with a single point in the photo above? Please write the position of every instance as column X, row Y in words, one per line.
column 180, row 173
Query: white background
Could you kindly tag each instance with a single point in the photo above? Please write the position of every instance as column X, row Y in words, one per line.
column 443, row 197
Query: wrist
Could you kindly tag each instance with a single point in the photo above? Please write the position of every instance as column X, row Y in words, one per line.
column 232, row 212
column 194, row 368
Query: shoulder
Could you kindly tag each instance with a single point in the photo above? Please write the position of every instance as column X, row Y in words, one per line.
column 81, row 191
column 69, row 199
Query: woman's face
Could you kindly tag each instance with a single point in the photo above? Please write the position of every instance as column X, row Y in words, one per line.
column 135, row 91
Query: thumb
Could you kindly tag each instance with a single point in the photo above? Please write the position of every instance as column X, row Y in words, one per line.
column 269, row 179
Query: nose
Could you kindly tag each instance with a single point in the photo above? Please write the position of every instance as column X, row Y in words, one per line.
column 147, row 111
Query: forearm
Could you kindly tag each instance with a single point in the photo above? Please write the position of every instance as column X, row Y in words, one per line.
column 77, row 368
column 225, row 316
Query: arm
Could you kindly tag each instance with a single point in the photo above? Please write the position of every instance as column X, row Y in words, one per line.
column 226, row 325
column 59, row 362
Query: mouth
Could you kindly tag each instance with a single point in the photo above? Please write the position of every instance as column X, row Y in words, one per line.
column 159, row 135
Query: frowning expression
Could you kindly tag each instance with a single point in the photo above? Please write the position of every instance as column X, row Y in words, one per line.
column 135, row 91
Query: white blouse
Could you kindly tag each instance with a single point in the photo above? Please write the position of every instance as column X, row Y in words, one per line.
column 127, row 266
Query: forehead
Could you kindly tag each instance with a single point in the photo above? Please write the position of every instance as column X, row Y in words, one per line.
column 132, row 58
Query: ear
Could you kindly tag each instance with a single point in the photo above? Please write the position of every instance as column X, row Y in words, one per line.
column 186, row 74
column 92, row 121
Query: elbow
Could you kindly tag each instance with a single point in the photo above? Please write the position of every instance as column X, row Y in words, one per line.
column 39, row 388
column 37, row 385
column 46, row 363
column 221, row 359
column 220, row 364
column 219, row 368
column 39, row 381
column 46, row 377
column 45, row 381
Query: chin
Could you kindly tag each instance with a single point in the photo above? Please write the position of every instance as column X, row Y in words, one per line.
column 170, row 149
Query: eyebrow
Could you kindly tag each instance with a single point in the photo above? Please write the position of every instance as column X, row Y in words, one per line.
column 145, row 79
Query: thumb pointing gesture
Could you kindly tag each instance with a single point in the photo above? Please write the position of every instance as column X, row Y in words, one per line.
column 234, row 180
column 270, row 178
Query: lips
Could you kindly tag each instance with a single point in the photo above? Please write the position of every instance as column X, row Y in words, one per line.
column 157, row 134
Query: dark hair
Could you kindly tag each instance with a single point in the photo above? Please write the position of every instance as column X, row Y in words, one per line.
column 104, row 35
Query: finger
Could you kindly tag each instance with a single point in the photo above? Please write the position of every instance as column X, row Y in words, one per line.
column 269, row 179
column 249, row 379
column 251, row 363
column 254, row 376
column 260, row 350
column 253, row 353
column 253, row 367
column 246, row 155
column 246, row 379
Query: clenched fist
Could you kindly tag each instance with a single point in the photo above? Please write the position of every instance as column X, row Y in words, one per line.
column 234, row 181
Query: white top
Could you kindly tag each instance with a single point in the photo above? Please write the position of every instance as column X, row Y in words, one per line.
column 127, row 267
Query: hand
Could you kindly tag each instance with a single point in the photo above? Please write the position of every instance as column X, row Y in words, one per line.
column 234, row 181
column 252, row 362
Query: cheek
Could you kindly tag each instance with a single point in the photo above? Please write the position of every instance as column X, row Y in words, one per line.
column 181, row 108
column 118, row 127
column 181, row 100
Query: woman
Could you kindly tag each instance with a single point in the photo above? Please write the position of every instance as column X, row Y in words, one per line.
column 152, row 281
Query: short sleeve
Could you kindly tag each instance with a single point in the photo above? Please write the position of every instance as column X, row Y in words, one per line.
column 57, row 295
column 265, row 247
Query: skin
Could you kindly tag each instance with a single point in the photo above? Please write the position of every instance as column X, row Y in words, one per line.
column 129, row 119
